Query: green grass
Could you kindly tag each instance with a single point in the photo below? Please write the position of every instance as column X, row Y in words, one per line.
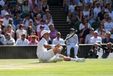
column 31, row 67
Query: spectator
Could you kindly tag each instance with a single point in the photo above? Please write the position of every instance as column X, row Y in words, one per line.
column 48, row 17
column 39, row 33
column 31, row 4
column 53, row 32
column 96, row 51
column 34, row 34
column 17, row 20
column 33, row 41
column 6, row 19
column 44, row 5
column 84, row 29
column 25, row 7
column 95, row 38
column 101, row 31
column 101, row 15
column 108, row 51
column 86, row 12
column 9, row 40
column 96, row 10
column 2, row 3
column 11, row 23
column 71, row 7
column 4, row 11
column 58, row 40
column 30, row 28
column 108, row 25
column 88, row 36
column 107, row 38
column 37, row 19
column 42, row 23
column 36, row 10
column 66, row 3
column 27, row 20
column 22, row 41
column 20, row 31
column 72, row 42
column 84, row 24
column 105, row 18
column 9, row 29
column 107, row 7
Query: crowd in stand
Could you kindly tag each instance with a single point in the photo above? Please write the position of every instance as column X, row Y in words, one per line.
column 21, row 21
column 92, row 18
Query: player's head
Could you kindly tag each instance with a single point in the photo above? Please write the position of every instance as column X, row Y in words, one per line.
column 45, row 34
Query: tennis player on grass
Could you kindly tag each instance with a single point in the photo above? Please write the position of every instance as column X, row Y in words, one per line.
column 50, row 53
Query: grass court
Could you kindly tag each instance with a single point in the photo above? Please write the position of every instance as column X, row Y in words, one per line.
column 31, row 67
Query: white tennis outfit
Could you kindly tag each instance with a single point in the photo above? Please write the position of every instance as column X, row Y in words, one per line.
column 44, row 54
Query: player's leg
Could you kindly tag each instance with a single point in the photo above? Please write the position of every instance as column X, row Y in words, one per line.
column 56, row 58
column 67, row 58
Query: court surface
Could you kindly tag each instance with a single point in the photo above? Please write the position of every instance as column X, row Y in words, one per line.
column 32, row 67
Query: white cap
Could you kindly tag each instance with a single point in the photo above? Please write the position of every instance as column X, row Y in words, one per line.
column 44, row 32
column 96, row 32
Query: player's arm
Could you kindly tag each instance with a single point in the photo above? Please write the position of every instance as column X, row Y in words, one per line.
column 52, row 46
column 48, row 46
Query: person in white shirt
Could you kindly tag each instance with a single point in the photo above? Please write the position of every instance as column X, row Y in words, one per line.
column 108, row 25
column 42, row 23
column 58, row 40
column 71, row 7
column 9, row 40
column 6, row 19
column 20, row 31
column 95, row 38
column 84, row 25
column 88, row 36
column 72, row 42
column 4, row 11
column 2, row 3
column 22, row 41
column 53, row 54
column 97, row 9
